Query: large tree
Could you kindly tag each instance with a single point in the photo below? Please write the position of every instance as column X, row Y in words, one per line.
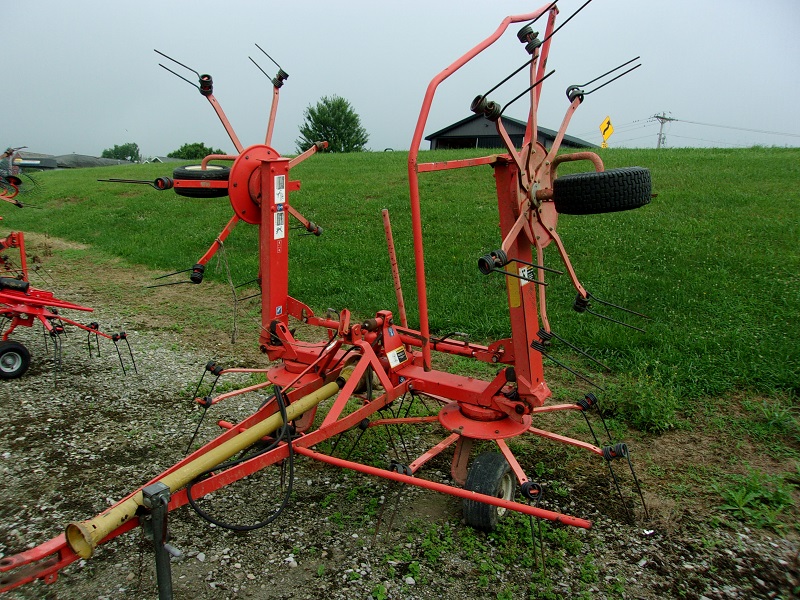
column 193, row 151
column 129, row 151
column 332, row 120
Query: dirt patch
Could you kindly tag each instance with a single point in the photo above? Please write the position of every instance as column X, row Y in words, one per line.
column 75, row 440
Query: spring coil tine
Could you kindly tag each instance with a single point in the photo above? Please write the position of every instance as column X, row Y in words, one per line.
column 618, row 322
column 525, row 64
column 259, row 67
column 510, row 274
column 336, row 443
column 269, row 57
column 130, row 352
column 620, row 450
column 616, row 451
column 614, row 79
column 528, row 89
column 622, row 308
column 119, row 354
column 587, row 404
column 362, row 428
column 591, row 429
column 539, row 347
column 638, row 489
column 534, row 493
column 56, row 358
column 556, row 30
column 616, row 485
column 579, row 350
column 197, row 429
column 609, row 73
column 176, row 62
column 211, row 367
column 194, row 85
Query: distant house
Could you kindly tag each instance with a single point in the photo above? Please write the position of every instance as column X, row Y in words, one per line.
column 479, row 132
column 162, row 159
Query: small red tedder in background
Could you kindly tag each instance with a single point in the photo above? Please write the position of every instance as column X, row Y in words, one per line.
column 376, row 372
column 21, row 304
column 14, row 183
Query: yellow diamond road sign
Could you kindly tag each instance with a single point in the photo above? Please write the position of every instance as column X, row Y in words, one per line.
column 606, row 129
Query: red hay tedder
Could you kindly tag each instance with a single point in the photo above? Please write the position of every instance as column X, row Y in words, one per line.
column 361, row 367
column 21, row 304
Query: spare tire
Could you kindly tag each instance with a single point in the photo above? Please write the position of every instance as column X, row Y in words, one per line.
column 608, row 191
column 197, row 173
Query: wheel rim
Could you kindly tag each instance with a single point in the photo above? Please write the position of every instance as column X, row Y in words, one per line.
column 200, row 168
column 505, row 492
column 10, row 362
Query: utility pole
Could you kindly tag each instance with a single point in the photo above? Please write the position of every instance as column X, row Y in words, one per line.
column 662, row 118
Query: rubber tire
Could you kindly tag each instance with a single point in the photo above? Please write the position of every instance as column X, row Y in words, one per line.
column 196, row 173
column 489, row 474
column 14, row 360
column 594, row 193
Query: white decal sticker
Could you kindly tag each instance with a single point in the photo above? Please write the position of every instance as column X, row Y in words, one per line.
column 280, row 189
column 526, row 273
column 397, row 357
column 280, row 225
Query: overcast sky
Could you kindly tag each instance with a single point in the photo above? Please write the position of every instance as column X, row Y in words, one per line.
column 81, row 75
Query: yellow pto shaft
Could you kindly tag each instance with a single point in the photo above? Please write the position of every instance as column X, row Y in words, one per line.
column 84, row 536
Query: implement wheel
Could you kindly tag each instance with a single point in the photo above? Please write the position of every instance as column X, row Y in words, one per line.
column 593, row 193
column 489, row 474
column 14, row 360
column 197, row 173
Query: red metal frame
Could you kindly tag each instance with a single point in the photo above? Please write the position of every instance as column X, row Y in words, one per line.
column 25, row 308
column 399, row 357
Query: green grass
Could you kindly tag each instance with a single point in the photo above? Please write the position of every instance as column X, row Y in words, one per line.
column 713, row 260
column 756, row 499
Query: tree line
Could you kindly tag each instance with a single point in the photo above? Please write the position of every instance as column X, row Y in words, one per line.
column 332, row 119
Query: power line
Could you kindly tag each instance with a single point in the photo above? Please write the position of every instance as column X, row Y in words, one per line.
column 683, row 137
column 641, row 137
column 663, row 118
column 738, row 128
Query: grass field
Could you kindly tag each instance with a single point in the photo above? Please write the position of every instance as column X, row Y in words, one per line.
column 713, row 260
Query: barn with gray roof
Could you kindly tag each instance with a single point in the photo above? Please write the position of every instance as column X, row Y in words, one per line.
column 479, row 132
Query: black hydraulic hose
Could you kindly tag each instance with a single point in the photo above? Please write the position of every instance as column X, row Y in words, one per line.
column 285, row 432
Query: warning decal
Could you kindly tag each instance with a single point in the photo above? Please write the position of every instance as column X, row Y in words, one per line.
column 397, row 357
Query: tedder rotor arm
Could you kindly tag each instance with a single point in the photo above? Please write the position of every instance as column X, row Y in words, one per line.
column 414, row 167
